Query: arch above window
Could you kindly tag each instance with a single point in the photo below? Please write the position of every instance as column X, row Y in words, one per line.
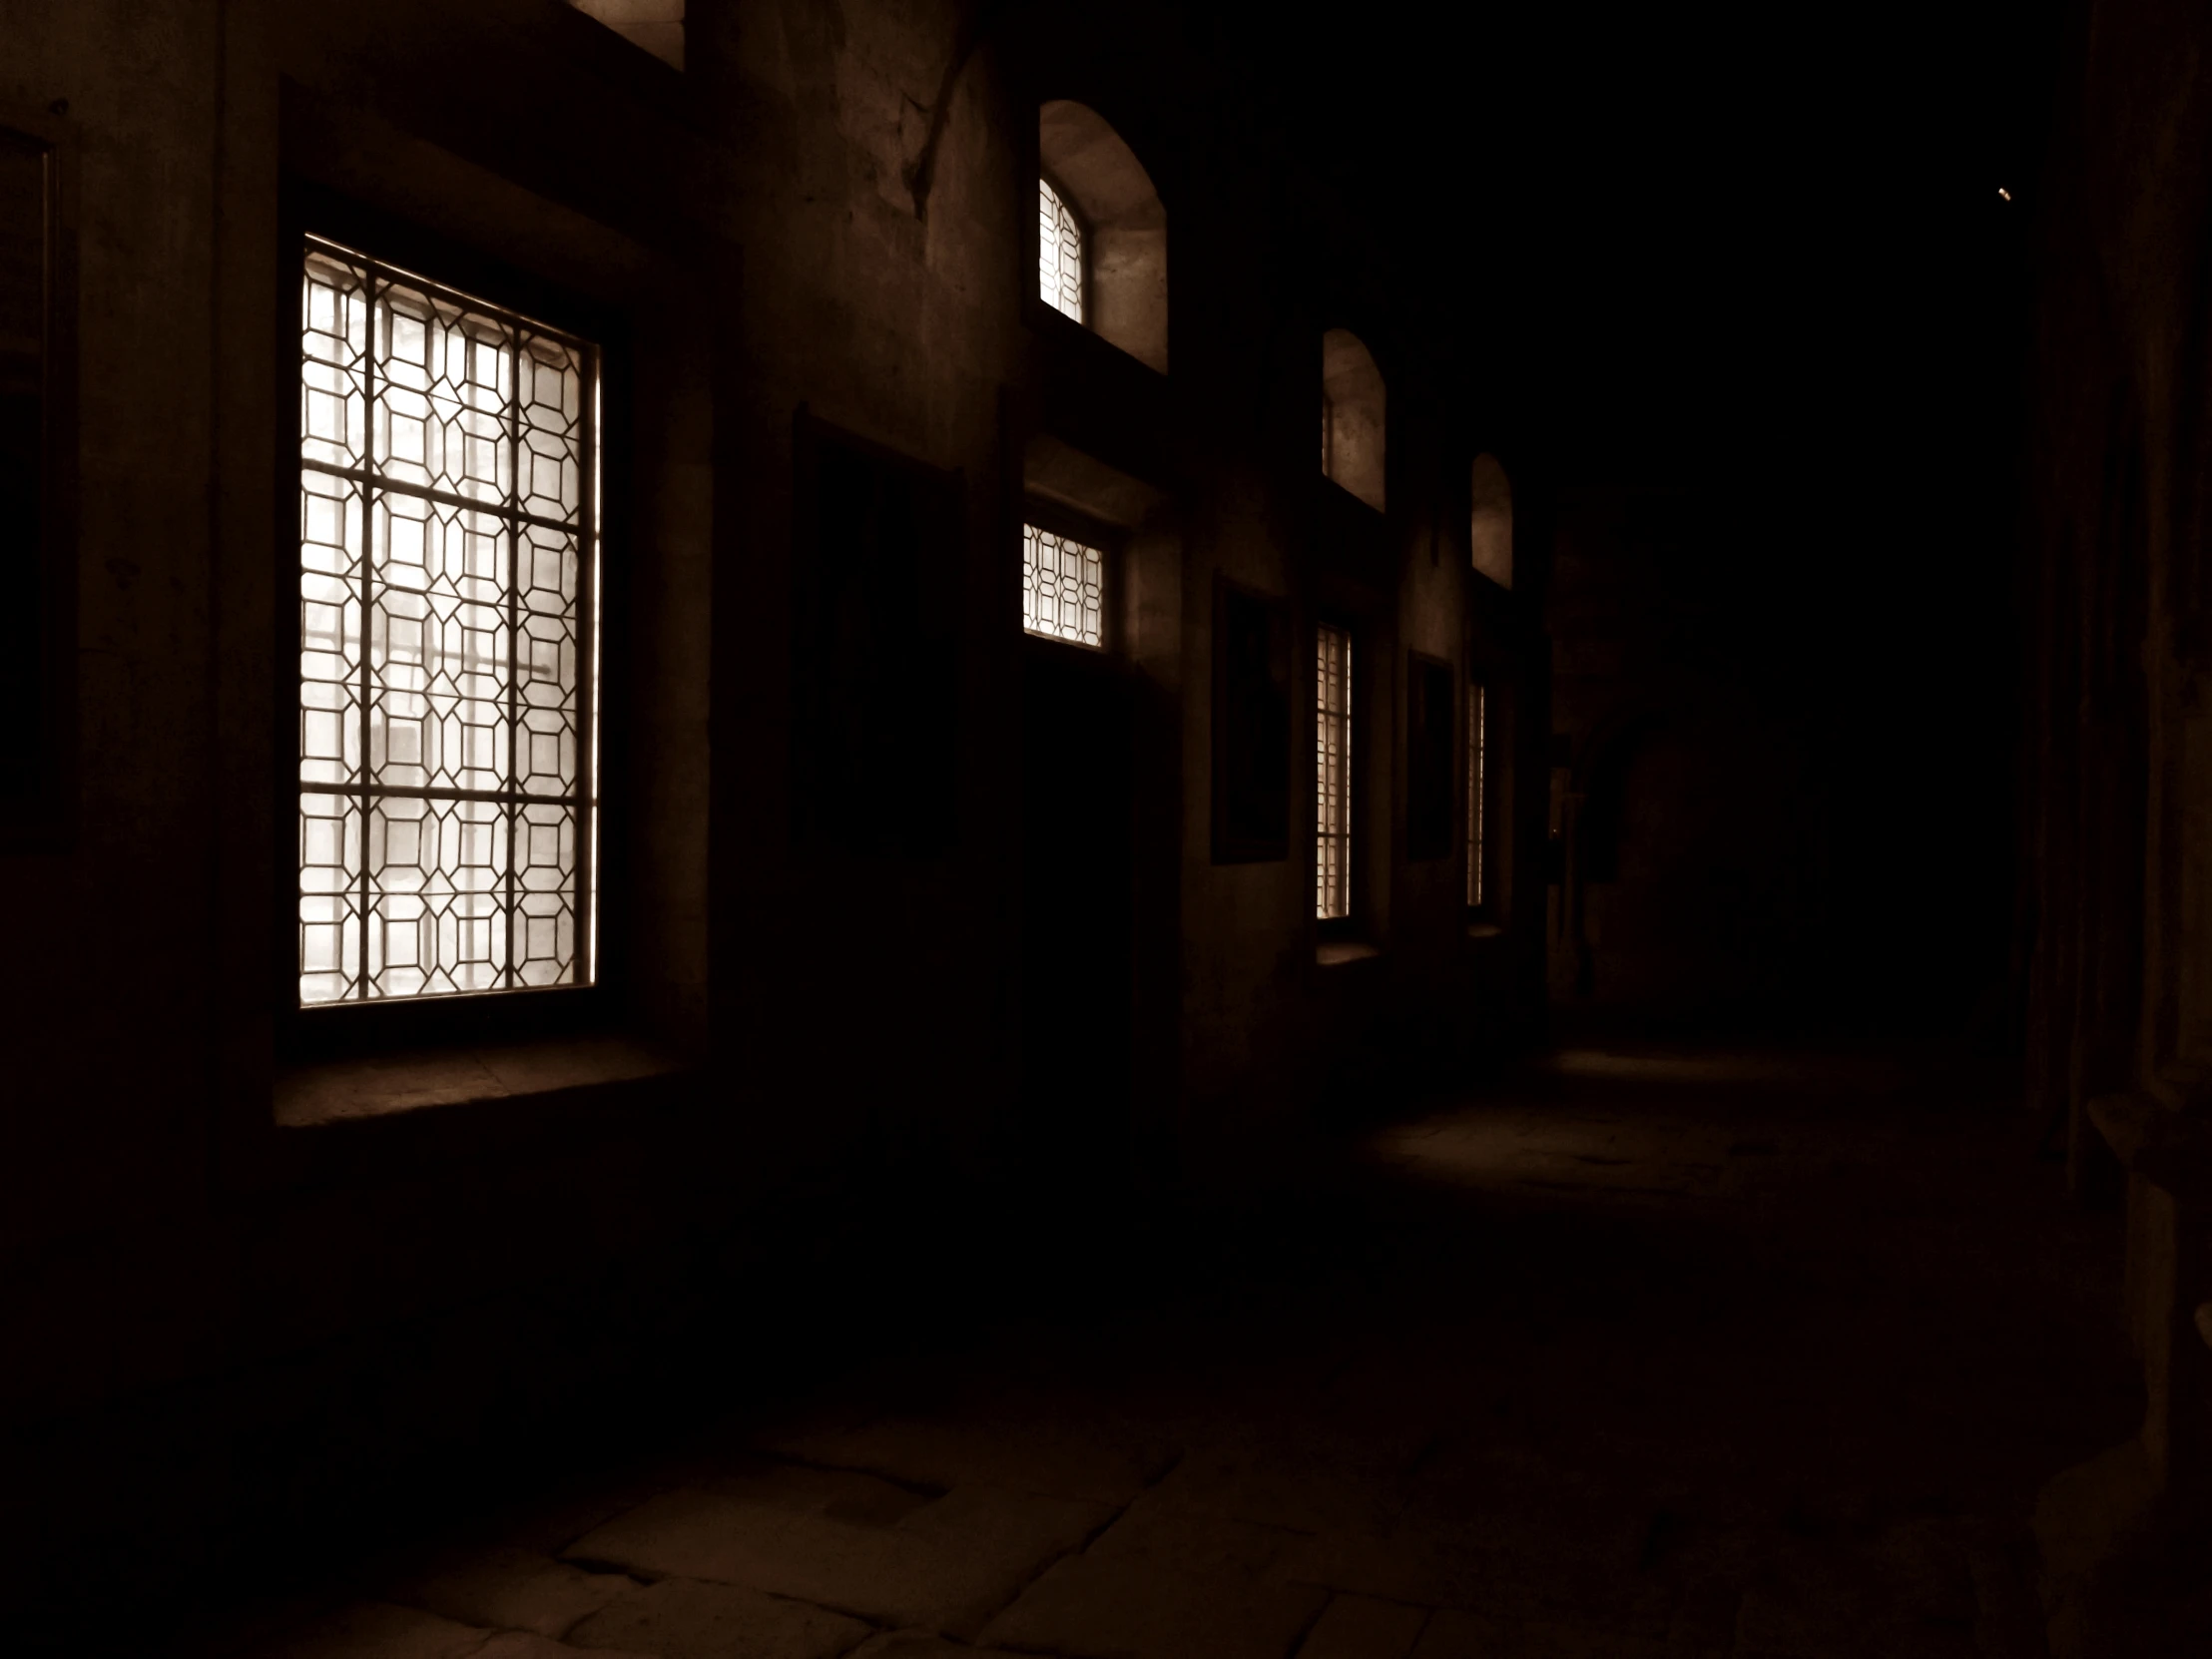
column 1352, row 417
column 1490, row 530
column 1111, row 260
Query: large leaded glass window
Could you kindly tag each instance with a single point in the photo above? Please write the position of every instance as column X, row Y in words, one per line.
column 1063, row 588
column 1059, row 253
column 1332, row 768
column 448, row 529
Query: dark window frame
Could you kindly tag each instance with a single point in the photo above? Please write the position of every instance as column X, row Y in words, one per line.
column 1499, row 704
column 1479, row 886
column 1354, row 924
column 306, row 1034
column 1074, row 210
column 1111, row 543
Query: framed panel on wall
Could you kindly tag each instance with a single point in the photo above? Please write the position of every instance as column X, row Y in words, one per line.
column 880, row 559
column 37, row 487
column 1252, row 726
column 1429, row 700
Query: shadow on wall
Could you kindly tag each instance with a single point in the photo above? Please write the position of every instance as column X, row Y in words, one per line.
column 1700, row 862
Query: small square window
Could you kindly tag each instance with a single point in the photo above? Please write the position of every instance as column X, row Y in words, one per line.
column 1063, row 588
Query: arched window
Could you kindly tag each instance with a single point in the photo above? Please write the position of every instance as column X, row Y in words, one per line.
column 1102, row 235
column 1490, row 533
column 1352, row 411
column 1059, row 253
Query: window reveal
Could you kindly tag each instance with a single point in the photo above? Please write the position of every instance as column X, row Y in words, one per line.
column 655, row 25
column 1063, row 588
column 1059, row 253
column 1333, row 767
column 448, row 661
column 1476, row 826
column 1353, row 416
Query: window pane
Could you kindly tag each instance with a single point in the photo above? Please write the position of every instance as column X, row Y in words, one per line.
column 1059, row 254
column 1063, row 588
column 448, row 449
column 1333, row 768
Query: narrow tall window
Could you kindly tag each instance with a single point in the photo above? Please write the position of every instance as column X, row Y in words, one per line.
column 1332, row 768
column 1059, row 253
column 448, row 664
column 1475, row 826
column 1063, row 588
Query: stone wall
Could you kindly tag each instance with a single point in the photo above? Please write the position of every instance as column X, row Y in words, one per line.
column 2114, row 925
column 250, row 1299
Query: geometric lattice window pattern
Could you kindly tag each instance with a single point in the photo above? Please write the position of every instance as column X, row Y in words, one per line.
column 1059, row 254
column 1333, row 770
column 1063, row 588
column 1475, row 701
column 447, row 669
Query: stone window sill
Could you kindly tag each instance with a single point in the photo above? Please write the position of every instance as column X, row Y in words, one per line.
column 1336, row 952
column 390, row 1085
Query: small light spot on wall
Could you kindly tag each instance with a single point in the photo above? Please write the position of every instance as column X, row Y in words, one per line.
column 2002, row 190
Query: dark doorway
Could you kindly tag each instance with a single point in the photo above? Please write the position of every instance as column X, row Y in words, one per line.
column 1076, row 919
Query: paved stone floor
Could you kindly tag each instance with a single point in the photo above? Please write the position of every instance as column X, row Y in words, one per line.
column 1636, row 1355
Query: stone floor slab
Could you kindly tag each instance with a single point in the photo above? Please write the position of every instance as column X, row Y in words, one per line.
column 1159, row 1532
column 521, row 1644
column 1052, row 1460
column 1445, row 1570
column 1361, row 1627
column 1812, row 1615
column 682, row 1618
column 1092, row 1608
column 379, row 1630
column 512, row 1589
column 1305, row 1479
column 947, row 1566
column 1453, row 1634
